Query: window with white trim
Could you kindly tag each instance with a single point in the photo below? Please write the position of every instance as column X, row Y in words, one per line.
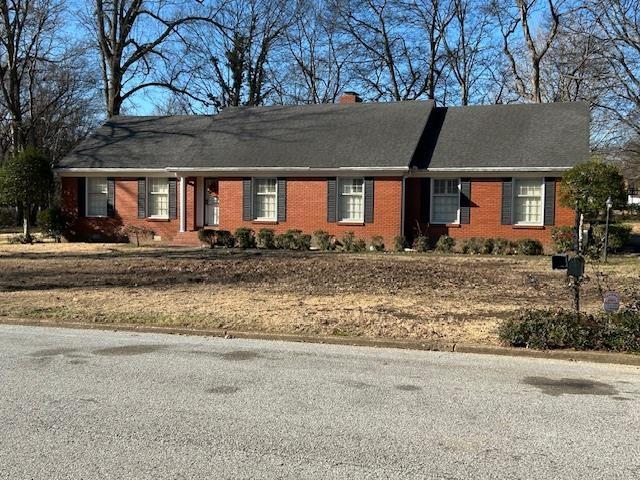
column 158, row 201
column 445, row 200
column 265, row 201
column 351, row 193
column 97, row 196
column 527, row 201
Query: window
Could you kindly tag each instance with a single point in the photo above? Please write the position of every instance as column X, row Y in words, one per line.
column 528, row 202
column 265, row 199
column 445, row 200
column 96, row 197
column 351, row 192
column 158, row 198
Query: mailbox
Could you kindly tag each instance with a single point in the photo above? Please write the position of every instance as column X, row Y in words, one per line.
column 575, row 267
column 559, row 262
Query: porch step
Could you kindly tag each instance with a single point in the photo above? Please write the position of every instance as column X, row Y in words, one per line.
column 186, row 239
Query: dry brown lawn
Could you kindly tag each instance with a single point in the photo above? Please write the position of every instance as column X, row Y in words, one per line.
column 451, row 298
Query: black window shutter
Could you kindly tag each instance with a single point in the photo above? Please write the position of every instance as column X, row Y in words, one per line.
column 282, row 199
column 173, row 198
column 465, row 200
column 549, row 201
column 332, row 193
column 425, row 200
column 142, row 197
column 247, row 196
column 507, row 201
column 111, row 197
column 369, row 186
column 82, row 197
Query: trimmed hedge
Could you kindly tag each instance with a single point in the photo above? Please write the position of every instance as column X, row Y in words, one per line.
column 245, row 237
column 549, row 329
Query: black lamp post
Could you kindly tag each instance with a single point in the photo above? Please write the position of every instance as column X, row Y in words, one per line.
column 609, row 204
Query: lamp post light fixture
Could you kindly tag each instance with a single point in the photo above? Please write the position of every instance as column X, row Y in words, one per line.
column 609, row 204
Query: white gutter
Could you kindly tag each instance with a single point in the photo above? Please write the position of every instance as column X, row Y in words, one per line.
column 230, row 170
column 495, row 169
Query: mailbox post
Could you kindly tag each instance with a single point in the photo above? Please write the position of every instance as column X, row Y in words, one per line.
column 574, row 265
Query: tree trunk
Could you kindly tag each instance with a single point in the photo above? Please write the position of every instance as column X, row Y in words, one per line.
column 25, row 223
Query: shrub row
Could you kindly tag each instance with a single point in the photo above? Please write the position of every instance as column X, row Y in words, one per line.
column 619, row 234
column 475, row 245
column 290, row 240
column 548, row 329
column 297, row 240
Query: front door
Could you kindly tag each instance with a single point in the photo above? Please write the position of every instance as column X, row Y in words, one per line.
column 211, row 202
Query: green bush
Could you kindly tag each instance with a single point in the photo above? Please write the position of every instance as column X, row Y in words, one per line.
column 225, row 239
column 377, row 243
column 207, row 237
column 529, row 246
column 472, row 245
column 53, row 222
column 20, row 239
column 548, row 329
column 359, row 245
column 502, row 246
column 445, row 244
column 488, row 244
column 399, row 243
column 245, row 237
column 7, row 217
column 563, row 239
column 305, row 241
column 347, row 241
column 421, row 243
column 619, row 235
column 221, row 238
column 266, row 238
column 323, row 240
column 293, row 240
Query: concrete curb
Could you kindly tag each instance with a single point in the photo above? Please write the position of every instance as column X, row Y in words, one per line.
column 407, row 344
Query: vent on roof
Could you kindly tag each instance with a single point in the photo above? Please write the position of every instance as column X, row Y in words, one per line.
column 350, row 97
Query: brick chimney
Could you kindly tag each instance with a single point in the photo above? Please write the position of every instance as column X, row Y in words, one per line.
column 350, row 97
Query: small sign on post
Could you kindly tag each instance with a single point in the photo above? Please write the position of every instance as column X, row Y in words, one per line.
column 611, row 302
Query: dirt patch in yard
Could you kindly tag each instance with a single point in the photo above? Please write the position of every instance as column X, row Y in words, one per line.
column 435, row 297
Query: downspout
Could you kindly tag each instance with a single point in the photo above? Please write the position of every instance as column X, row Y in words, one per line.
column 402, row 207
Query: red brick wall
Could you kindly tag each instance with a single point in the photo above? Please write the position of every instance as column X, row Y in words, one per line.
column 126, row 206
column 306, row 210
column 486, row 208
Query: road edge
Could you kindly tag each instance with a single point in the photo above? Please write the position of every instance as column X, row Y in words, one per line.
column 405, row 344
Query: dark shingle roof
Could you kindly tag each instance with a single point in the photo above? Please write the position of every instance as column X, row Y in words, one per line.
column 501, row 136
column 379, row 135
column 316, row 136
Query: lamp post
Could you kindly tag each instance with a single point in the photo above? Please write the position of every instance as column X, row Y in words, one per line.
column 609, row 204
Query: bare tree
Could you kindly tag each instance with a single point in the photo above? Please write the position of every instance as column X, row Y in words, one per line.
column 228, row 63
column 525, row 54
column 432, row 17
column 27, row 31
column 134, row 40
column 318, row 71
column 468, row 46
column 617, row 24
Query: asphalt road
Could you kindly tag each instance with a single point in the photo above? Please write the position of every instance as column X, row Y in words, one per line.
column 99, row 405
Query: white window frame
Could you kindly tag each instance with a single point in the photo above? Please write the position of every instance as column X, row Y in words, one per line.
column 255, row 194
column 341, row 218
column 431, row 202
column 147, row 203
column 514, row 183
column 86, row 198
